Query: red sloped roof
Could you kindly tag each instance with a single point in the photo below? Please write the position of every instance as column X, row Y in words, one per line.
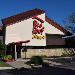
column 29, row 14
column 57, row 26
column 22, row 16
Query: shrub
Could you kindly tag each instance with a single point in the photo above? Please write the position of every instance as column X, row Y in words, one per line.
column 7, row 58
column 36, row 60
column 2, row 56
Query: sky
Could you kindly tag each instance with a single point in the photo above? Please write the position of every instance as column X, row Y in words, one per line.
column 56, row 10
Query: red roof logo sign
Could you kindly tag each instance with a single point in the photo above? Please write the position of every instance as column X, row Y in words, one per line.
column 38, row 28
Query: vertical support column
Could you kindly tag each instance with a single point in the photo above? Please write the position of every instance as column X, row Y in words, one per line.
column 25, row 50
column 5, row 49
column 15, row 53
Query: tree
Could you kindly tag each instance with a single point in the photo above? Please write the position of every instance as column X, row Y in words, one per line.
column 70, row 26
column 70, row 23
column 2, row 47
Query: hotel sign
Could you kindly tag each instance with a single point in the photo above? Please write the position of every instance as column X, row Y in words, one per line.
column 38, row 28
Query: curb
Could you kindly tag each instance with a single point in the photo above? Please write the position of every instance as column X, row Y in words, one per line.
column 5, row 68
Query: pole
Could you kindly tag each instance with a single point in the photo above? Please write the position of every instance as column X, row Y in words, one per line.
column 25, row 50
column 15, row 53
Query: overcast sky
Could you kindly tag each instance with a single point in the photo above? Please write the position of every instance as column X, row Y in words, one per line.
column 57, row 10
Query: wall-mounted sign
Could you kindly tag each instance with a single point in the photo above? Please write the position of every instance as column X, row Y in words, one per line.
column 38, row 28
column 38, row 37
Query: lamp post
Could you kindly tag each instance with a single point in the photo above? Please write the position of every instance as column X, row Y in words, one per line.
column 25, row 48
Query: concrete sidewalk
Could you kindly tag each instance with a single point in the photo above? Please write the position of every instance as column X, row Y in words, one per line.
column 19, row 64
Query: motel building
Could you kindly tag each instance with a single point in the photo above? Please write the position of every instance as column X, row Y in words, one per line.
column 32, row 33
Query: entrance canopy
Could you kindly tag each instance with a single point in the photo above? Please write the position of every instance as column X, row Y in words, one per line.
column 19, row 42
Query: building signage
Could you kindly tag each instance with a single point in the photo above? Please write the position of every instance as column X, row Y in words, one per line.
column 38, row 28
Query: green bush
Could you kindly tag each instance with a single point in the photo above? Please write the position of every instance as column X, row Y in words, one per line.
column 2, row 56
column 2, row 46
column 7, row 58
column 36, row 60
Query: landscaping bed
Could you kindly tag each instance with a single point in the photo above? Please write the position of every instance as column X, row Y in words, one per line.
column 3, row 64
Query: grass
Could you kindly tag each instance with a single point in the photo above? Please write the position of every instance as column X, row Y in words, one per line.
column 3, row 64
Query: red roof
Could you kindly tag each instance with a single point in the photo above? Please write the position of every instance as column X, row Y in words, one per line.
column 22, row 16
column 29, row 14
column 57, row 26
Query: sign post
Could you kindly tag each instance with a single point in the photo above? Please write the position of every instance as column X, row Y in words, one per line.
column 25, row 48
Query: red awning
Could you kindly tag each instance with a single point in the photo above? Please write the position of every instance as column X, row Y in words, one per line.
column 19, row 42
